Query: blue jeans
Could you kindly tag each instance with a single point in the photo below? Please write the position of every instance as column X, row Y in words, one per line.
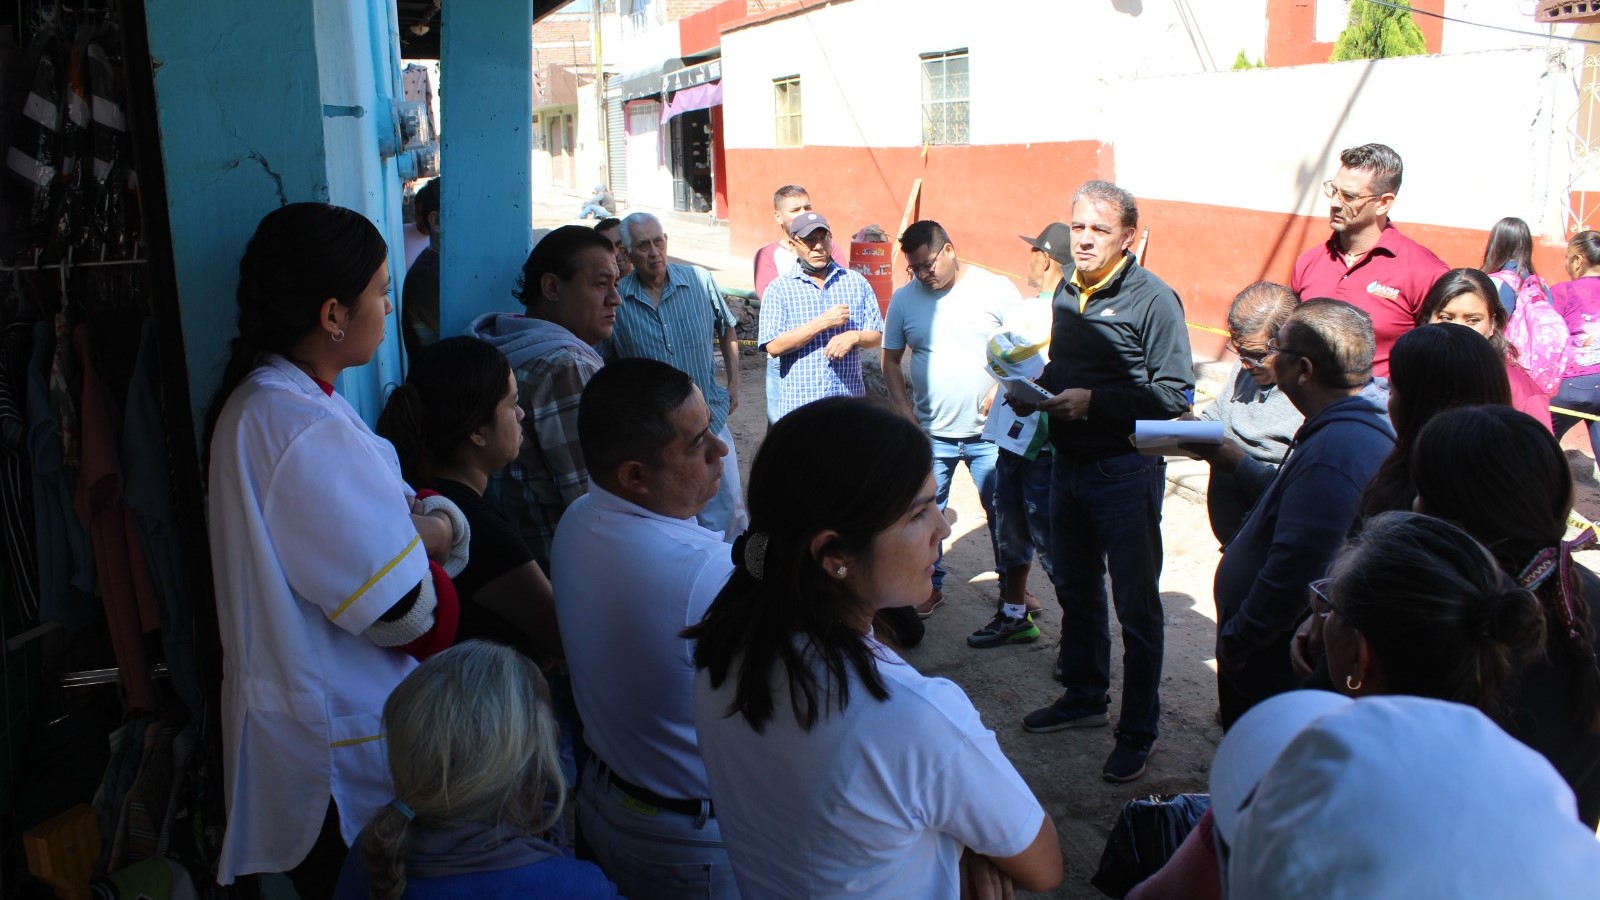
column 1583, row 395
column 774, row 388
column 980, row 456
column 652, row 852
column 1106, row 516
column 1022, row 511
column 594, row 209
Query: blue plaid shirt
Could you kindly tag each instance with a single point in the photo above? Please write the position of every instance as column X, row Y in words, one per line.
column 806, row 373
column 683, row 331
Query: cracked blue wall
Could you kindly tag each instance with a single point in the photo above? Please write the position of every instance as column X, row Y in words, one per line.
column 241, row 134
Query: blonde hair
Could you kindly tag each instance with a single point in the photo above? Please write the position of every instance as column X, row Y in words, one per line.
column 471, row 740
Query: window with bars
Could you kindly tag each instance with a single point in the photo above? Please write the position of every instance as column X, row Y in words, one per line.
column 786, row 110
column 945, row 117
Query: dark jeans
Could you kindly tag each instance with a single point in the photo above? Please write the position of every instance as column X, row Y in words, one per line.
column 1583, row 395
column 1105, row 516
column 1265, row 674
column 1022, row 510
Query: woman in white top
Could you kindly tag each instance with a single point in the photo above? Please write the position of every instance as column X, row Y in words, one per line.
column 838, row 770
column 326, row 594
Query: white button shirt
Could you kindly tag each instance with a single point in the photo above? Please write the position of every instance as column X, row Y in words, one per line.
column 626, row 582
column 311, row 541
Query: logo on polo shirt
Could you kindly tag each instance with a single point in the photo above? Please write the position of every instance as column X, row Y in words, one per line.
column 1379, row 289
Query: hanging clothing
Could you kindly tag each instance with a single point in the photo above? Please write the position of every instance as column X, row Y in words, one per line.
column 65, row 552
column 16, row 484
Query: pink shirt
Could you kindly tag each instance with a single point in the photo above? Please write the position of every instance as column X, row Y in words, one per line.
column 1388, row 284
column 1526, row 396
column 1578, row 302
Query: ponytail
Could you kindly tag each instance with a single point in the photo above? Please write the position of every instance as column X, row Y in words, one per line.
column 383, row 849
column 404, row 423
column 451, row 391
column 300, row 256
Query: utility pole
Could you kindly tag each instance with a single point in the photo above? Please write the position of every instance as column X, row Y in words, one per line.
column 601, row 118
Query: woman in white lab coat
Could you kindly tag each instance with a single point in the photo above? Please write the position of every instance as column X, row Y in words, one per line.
column 326, row 594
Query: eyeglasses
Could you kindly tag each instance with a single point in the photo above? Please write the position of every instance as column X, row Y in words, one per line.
column 1348, row 199
column 1250, row 359
column 917, row 269
column 1273, row 348
column 1320, row 589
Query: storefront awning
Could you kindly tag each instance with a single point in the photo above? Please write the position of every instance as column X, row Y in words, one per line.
column 704, row 73
column 646, row 83
column 701, row 96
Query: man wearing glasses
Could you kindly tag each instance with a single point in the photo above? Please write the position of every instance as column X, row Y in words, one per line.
column 944, row 316
column 816, row 319
column 1322, row 360
column 1367, row 262
column 1119, row 352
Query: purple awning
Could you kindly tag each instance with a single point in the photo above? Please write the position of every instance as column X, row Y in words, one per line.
column 701, row 96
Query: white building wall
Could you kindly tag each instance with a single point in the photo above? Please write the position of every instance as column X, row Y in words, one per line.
column 1032, row 69
column 1212, row 144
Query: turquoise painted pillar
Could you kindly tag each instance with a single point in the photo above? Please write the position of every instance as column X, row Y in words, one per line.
column 486, row 103
column 240, row 113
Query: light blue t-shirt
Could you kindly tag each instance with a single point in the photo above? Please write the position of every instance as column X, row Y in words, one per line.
column 948, row 333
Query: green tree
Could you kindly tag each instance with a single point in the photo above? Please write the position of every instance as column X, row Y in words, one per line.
column 1379, row 31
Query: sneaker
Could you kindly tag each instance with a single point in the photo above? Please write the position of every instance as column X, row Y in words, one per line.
column 1055, row 717
column 1003, row 630
column 926, row 607
column 1128, row 761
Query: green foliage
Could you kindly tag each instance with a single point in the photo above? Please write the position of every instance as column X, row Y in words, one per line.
column 1243, row 62
column 1376, row 31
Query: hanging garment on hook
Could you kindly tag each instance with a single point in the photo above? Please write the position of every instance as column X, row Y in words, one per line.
column 33, row 161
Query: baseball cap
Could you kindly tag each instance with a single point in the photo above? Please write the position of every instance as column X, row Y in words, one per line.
column 1250, row 746
column 1409, row 797
column 1055, row 240
column 806, row 223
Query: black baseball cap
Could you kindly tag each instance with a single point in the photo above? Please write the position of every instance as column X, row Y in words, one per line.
column 1056, row 241
column 806, row 223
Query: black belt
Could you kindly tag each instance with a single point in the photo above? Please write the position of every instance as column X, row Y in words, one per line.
column 651, row 798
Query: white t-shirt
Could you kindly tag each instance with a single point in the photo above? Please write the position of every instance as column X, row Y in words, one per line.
column 626, row 582
column 875, row 802
column 311, row 541
column 947, row 333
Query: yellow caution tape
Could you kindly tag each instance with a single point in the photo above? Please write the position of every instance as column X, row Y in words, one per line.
column 1575, row 414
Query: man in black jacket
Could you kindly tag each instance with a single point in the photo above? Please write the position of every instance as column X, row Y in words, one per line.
column 1119, row 352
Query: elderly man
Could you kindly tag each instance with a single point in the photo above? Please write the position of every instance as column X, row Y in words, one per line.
column 1367, row 262
column 1322, row 360
column 674, row 313
column 816, row 319
column 1119, row 352
column 632, row 570
column 944, row 316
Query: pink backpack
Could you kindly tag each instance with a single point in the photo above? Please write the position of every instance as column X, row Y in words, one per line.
column 1537, row 331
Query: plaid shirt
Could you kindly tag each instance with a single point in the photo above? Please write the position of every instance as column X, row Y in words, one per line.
column 682, row 331
column 806, row 373
column 548, row 473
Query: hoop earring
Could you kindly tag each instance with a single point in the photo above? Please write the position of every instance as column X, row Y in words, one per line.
column 338, row 335
column 1351, row 684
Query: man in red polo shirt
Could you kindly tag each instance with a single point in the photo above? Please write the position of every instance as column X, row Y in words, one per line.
column 1367, row 262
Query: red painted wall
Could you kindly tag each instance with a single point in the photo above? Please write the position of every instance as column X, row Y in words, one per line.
column 1291, row 25
column 702, row 32
column 719, row 166
column 986, row 196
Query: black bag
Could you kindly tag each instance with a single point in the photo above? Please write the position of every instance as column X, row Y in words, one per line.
column 1147, row 833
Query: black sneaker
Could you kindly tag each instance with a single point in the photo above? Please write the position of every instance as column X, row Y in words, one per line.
column 1002, row 630
column 1055, row 717
column 1128, row 761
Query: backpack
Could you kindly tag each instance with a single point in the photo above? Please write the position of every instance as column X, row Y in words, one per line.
column 1538, row 332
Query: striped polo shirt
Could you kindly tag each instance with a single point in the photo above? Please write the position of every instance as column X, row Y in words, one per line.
column 681, row 331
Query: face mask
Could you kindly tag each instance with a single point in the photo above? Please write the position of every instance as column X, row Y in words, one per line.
column 809, row 269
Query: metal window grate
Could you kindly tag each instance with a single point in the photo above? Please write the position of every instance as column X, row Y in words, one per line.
column 946, row 117
column 786, row 111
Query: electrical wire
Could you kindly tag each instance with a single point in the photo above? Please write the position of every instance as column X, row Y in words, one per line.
column 1537, row 34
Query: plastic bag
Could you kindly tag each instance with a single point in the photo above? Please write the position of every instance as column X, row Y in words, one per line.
column 1147, row 833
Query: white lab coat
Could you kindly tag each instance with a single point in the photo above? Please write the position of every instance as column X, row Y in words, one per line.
column 311, row 541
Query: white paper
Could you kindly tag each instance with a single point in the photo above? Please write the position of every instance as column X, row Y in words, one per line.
column 1161, row 437
column 1009, row 430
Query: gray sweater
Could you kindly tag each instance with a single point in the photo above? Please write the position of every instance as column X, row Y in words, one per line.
column 1263, row 422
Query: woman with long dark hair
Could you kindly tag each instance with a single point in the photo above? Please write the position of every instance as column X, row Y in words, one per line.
column 1467, row 297
column 1505, row 480
column 326, row 592
column 1578, row 302
column 1431, row 369
column 454, row 422
column 1508, row 260
column 832, row 763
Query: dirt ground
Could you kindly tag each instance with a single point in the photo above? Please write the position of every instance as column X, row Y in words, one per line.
column 1007, row 683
